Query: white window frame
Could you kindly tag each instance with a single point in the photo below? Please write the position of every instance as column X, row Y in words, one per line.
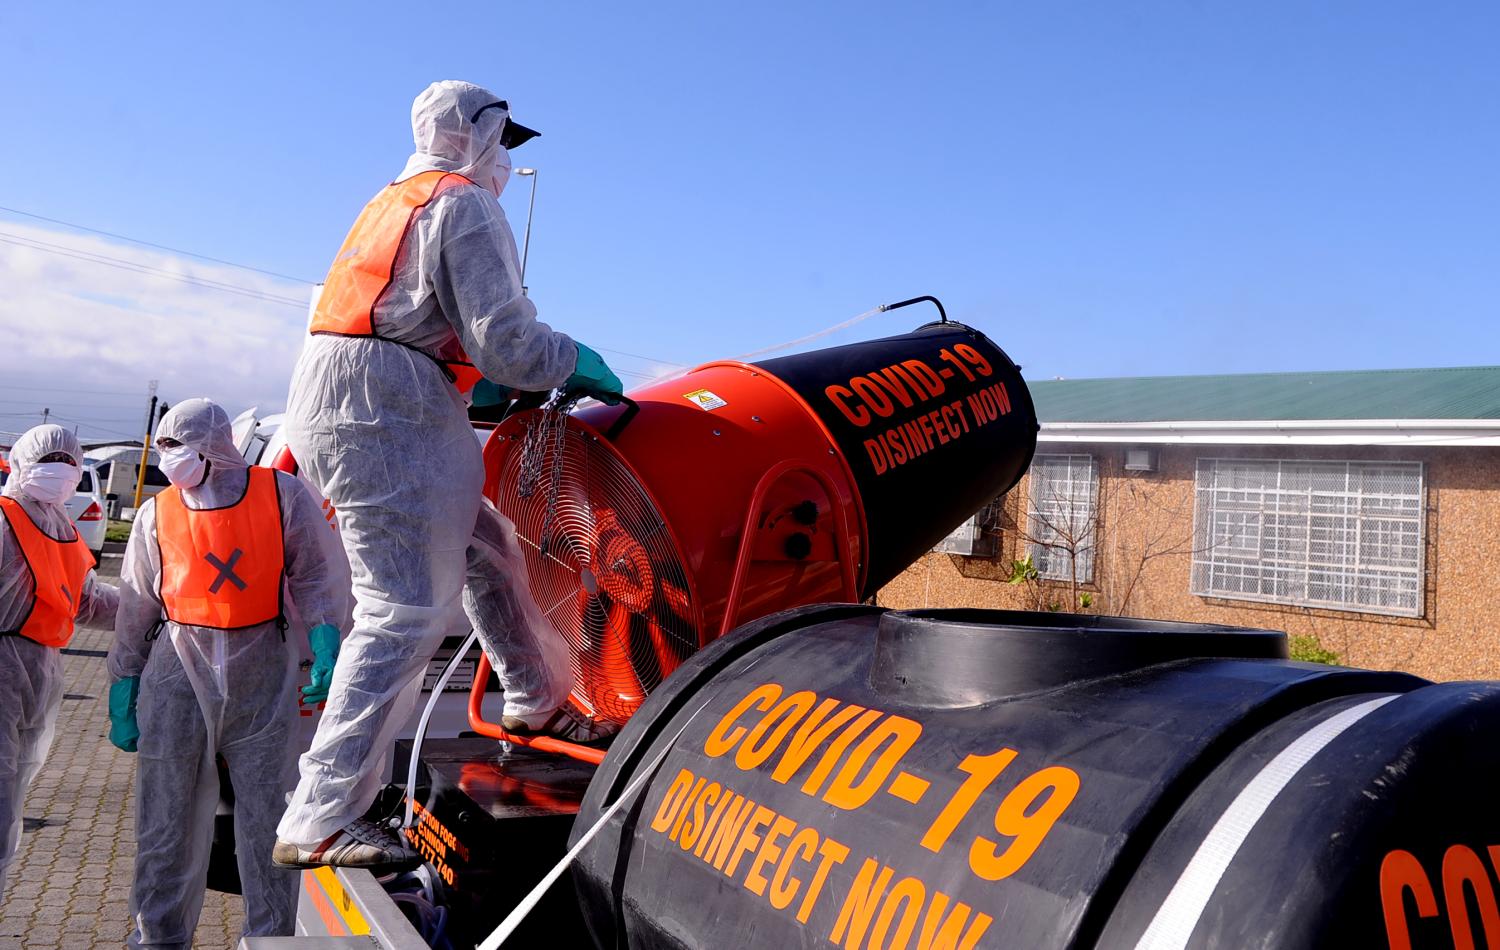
column 1052, row 562
column 1300, row 545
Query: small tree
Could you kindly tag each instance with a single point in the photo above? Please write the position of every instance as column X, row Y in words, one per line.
column 1148, row 522
column 1023, row 573
column 1060, row 525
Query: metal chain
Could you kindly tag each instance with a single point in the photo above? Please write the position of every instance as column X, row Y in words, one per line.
column 548, row 430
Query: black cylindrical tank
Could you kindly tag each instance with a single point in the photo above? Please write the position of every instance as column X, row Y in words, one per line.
column 933, row 424
column 851, row 776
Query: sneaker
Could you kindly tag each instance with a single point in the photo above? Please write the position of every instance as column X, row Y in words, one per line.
column 566, row 723
column 359, row 844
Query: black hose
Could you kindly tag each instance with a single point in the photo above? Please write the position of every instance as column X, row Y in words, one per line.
column 942, row 314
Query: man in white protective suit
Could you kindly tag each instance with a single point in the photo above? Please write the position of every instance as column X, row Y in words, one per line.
column 423, row 300
column 204, row 670
column 47, row 587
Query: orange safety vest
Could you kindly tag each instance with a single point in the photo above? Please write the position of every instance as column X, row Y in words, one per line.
column 222, row 567
column 366, row 266
column 58, row 570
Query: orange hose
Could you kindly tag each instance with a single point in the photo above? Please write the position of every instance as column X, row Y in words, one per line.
column 479, row 724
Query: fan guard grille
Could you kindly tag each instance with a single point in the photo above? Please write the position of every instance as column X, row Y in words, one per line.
column 608, row 578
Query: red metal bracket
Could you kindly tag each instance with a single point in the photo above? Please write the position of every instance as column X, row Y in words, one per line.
column 477, row 722
column 747, row 535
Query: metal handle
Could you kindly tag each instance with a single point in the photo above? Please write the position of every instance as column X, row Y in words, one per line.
column 632, row 409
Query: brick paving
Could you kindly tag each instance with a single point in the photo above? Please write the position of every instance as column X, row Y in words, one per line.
column 71, row 880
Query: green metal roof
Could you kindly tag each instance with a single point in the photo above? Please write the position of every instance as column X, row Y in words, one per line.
column 1462, row 392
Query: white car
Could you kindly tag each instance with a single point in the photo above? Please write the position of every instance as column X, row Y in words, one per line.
column 86, row 508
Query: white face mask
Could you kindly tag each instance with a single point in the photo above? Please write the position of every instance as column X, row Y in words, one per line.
column 501, row 174
column 50, row 483
column 183, row 466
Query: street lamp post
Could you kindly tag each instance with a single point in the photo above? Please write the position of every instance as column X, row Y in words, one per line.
column 530, row 207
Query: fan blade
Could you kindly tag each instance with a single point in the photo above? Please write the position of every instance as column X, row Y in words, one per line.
column 582, row 602
column 677, row 599
column 615, row 660
column 666, row 657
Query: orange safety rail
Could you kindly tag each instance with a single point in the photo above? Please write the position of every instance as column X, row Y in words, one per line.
column 479, row 724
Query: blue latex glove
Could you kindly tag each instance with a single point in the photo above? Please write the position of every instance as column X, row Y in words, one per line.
column 594, row 377
column 486, row 393
column 324, row 640
column 123, row 731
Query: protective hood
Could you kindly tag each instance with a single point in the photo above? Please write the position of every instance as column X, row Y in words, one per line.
column 36, row 444
column 203, row 426
column 464, row 128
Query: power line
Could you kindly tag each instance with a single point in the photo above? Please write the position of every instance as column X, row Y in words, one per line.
column 8, row 238
column 90, row 425
column 92, row 257
column 57, row 418
column 159, row 247
column 231, row 288
column 65, row 405
column 649, row 359
column 95, row 410
column 137, row 267
column 70, row 389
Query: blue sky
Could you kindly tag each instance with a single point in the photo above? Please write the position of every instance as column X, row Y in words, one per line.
column 1105, row 188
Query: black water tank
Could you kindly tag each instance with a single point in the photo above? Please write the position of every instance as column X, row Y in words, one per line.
column 850, row 776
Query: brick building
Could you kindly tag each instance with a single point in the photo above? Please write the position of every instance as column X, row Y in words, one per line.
column 1362, row 508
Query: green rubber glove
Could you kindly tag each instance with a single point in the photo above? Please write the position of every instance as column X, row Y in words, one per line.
column 486, row 393
column 324, row 640
column 595, row 377
column 123, row 731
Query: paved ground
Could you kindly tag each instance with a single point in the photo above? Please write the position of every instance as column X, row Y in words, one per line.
column 71, row 879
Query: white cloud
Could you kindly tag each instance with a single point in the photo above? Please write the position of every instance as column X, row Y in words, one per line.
column 87, row 313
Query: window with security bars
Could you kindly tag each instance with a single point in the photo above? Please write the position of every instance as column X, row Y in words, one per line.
column 1063, row 516
column 1346, row 535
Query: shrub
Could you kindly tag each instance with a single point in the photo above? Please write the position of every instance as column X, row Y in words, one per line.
column 1309, row 650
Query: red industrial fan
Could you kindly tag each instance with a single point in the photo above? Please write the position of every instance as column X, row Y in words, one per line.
column 602, row 566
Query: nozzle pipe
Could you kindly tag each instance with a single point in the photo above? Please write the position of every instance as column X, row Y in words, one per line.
column 942, row 314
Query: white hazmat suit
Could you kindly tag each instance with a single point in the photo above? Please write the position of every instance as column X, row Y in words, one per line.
column 31, row 680
column 207, row 693
column 380, row 431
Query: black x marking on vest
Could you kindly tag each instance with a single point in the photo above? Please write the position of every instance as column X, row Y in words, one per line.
column 226, row 571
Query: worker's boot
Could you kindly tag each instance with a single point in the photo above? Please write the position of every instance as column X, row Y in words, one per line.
column 359, row 844
column 565, row 723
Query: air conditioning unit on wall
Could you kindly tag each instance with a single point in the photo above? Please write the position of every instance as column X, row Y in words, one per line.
column 962, row 540
column 978, row 536
column 1140, row 460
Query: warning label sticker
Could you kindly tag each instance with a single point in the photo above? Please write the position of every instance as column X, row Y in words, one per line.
column 704, row 399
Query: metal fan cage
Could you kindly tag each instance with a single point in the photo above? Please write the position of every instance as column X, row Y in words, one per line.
column 603, row 568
